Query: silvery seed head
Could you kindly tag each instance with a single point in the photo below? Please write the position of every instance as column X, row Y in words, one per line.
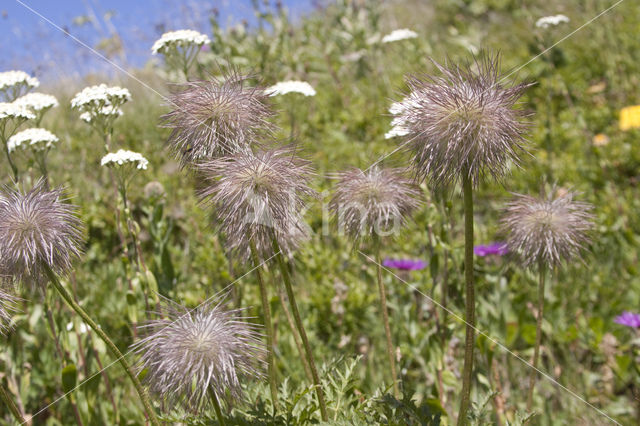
column 463, row 122
column 8, row 304
column 374, row 201
column 217, row 117
column 188, row 353
column 257, row 197
column 38, row 229
column 547, row 230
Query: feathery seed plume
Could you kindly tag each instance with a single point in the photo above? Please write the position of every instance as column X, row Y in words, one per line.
column 372, row 202
column 547, row 230
column 462, row 122
column 216, row 118
column 191, row 352
column 256, row 197
column 37, row 229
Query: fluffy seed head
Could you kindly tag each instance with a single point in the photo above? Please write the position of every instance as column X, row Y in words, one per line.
column 373, row 202
column 8, row 304
column 189, row 352
column 258, row 197
column 548, row 230
column 37, row 229
column 217, row 117
column 463, row 122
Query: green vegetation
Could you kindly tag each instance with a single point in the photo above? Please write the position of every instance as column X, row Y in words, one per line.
column 590, row 363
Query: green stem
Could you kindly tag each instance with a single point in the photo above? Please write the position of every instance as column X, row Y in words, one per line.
column 470, row 308
column 216, row 406
column 112, row 347
column 287, row 313
column 268, row 326
column 536, row 350
column 385, row 318
column 11, row 405
column 303, row 335
column 14, row 169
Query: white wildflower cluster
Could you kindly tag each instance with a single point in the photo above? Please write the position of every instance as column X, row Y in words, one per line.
column 398, row 127
column 37, row 101
column 107, row 111
column 93, row 97
column 12, row 110
column 397, row 35
column 35, row 138
column 180, row 38
column 10, row 79
column 122, row 157
column 551, row 21
column 291, row 86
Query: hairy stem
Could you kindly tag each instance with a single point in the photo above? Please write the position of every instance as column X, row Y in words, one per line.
column 536, row 350
column 385, row 319
column 112, row 347
column 303, row 335
column 8, row 401
column 216, row 406
column 268, row 326
column 470, row 302
column 296, row 337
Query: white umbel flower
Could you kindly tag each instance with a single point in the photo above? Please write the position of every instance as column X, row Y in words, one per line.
column 551, row 21
column 397, row 35
column 396, row 131
column 291, row 86
column 35, row 138
column 180, row 38
column 100, row 96
column 106, row 111
column 37, row 101
column 10, row 79
column 13, row 110
column 123, row 157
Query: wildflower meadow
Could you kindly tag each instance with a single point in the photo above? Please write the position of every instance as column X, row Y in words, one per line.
column 379, row 212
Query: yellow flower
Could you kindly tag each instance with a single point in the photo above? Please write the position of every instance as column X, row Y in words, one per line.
column 600, row 140
column 630, row 117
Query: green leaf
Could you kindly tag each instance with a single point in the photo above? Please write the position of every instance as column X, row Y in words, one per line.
column 69, row 377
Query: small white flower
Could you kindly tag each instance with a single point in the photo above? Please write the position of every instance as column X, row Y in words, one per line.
column 104, row 111
column 83, row 327
column 12, row 110
column 397, row 35
column 551, row 21
column 37, row 101
column 396, row 131
column 180, row 38
column 35, row 138
column 123, row 157
column 291, row 86
column 17, row 78
column 100, row 96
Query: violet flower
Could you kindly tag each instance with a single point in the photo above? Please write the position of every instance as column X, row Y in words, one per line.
column 404, row 264
column 629, row 319
column 497, row 249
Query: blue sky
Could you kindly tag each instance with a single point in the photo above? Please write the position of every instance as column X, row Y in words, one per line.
column 37, row 47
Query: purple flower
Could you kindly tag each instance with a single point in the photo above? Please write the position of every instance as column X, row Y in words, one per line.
column 498, row 249
column 404, row 264
column 629, row 319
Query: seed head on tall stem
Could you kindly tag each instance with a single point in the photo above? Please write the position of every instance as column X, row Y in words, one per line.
column 40, row 237
column 545, row 232
column 463, row 126
column 371, row 204
column 217, row 117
